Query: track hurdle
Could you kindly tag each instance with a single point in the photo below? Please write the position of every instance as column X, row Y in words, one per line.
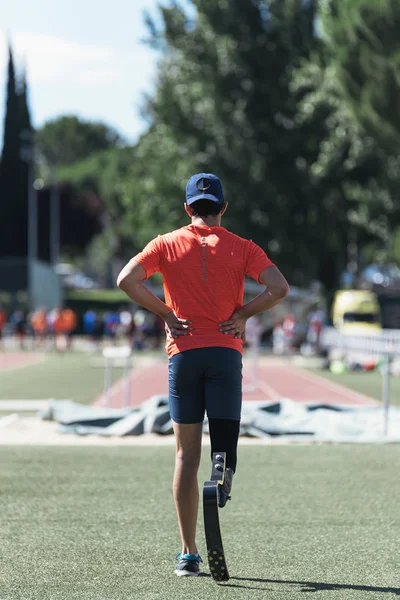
column 113, row 355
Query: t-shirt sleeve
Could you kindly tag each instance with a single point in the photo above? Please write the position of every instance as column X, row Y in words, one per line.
column 256, row 261
column 151, row 257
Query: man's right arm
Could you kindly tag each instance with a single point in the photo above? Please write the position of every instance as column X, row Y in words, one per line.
column 130, row 280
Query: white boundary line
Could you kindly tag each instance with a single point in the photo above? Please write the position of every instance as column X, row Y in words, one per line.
column 24, row 404
column 269, row 390
column 120, row 384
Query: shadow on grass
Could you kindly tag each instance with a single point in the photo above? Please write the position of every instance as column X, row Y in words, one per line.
column 238, row 585
column 312, row 586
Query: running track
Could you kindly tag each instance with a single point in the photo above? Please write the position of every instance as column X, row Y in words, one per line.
column 277, row 379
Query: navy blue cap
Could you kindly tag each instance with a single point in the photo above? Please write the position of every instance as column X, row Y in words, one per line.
column 204, row 186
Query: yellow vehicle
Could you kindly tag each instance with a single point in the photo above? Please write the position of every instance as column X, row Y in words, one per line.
column 356, row 311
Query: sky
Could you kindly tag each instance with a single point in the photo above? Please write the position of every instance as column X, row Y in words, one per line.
column 82, row 57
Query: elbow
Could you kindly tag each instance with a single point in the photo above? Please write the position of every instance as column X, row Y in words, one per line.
column 130, row 277
column 281, row 291
column 121, row 280
column 285, row 290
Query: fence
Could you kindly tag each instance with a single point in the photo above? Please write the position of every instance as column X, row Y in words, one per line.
column 383, row 344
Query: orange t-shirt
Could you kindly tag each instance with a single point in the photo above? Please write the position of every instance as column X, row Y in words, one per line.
column 39, row 322
column 58, row 323
column 203, row 271
column 69, row 320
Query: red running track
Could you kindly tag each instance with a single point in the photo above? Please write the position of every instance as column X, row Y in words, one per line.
column 275, row 380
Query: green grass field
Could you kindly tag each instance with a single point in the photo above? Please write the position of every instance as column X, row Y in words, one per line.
column 70, row 376
column 318, row 522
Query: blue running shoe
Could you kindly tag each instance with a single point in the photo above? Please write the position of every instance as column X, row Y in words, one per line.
column 188, row 564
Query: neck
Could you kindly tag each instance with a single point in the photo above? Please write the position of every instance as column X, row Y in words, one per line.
column 211, row 221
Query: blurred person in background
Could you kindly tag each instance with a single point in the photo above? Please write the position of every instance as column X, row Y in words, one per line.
column 51, row 316
column 278, row 338
column 289, row 332
column 58, row 330
column 139, row 320
column 38, row 321
column 125, row 324
column 111, row 321
column 19, row 322
column 203, row 267
column 98, row 331
column 89, row 322
column 254, row 331
column 69, row 320
column 315, row 324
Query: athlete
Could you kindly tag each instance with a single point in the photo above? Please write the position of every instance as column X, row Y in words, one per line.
column 203, row 267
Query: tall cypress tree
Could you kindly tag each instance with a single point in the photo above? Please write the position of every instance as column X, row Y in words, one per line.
column 26, row 153
column 13, row 168
column 11, row 146
column 9, row 160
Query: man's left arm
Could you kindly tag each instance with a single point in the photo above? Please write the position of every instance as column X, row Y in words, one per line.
column 261, row 268
column 276, row 288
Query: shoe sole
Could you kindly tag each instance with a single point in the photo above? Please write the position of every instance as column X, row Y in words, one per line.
column 186, row 573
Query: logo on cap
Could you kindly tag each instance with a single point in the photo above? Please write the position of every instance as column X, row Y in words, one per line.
column 203, row 184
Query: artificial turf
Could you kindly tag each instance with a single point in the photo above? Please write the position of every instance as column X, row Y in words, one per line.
column 313, row 521
column 67, row 376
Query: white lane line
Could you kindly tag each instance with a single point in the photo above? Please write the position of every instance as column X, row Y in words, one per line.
column 24, row 405
column 120, row 384
column 269, row 390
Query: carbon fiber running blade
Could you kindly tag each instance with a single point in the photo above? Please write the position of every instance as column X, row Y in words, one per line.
column 215, row 549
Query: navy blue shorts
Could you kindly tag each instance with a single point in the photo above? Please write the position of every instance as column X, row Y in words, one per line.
column 205, row 380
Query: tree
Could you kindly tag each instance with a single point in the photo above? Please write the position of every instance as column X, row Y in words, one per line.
column 69, row 139
column 364, row 39
column 27, row 155
column 356, row 184
column 249, row 91
column 13, row 170
column 141, row 190
column 224, row 91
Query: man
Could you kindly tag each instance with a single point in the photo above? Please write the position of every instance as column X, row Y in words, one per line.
column 203, row 267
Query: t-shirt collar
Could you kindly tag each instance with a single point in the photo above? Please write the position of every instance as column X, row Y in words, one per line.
column 195, row 228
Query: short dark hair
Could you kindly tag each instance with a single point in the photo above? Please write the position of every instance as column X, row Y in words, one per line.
column 206, row 208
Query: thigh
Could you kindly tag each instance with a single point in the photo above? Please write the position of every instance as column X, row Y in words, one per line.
column 223, row 384
column 186, row 388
